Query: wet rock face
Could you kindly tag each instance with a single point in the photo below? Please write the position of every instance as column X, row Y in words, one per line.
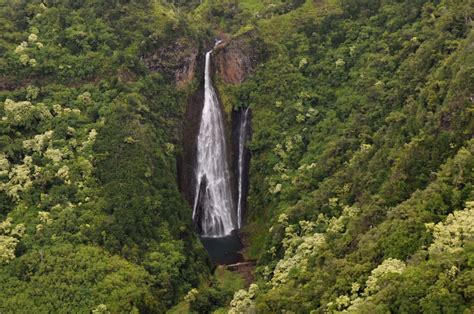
column 186, row 73
column 178, row 60
column 237, row 119
column 235, row 61
column 187, row 156
column 200, row 206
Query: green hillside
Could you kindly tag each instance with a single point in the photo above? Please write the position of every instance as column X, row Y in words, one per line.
column 361, row 192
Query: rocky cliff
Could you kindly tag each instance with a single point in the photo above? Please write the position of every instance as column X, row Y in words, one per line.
column 177, row 60
column 235, row 60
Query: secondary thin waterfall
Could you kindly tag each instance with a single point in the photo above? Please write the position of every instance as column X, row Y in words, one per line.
column 241, row 158
column 213, row 210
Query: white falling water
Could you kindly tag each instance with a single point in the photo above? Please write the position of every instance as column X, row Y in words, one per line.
column 215, row 202
column 242, row 140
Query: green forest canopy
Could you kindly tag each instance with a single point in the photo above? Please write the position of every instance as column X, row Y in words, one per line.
column 361, row 181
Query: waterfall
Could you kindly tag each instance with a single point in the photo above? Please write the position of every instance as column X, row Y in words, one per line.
column 243, row 130
column 213, row 210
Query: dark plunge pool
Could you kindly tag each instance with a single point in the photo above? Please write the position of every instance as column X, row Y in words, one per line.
column 224, row 250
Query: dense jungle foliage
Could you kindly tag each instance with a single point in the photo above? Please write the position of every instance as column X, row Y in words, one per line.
column 361, row 183
column 92, row 218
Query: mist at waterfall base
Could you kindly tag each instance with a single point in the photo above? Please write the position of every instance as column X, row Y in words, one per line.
column 216, row 215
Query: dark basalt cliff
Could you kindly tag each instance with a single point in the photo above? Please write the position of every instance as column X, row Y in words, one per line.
column 189, row 131
column 178, row 60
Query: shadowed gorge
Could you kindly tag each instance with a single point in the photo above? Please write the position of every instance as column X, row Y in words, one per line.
column 241, row 133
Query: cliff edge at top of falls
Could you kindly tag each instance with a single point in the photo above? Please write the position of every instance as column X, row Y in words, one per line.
column 234, row 59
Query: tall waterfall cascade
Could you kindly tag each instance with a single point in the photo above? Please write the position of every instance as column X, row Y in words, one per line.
column 214, row 210
column 243, row 130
